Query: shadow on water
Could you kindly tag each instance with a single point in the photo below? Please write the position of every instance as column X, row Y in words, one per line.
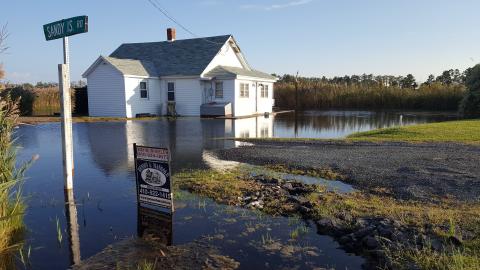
column 105, row 210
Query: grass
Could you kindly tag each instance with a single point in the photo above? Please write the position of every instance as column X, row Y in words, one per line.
column 325, row 95
column 12, row 207
column 464, row 131
column 81, row 119
column 446, row 217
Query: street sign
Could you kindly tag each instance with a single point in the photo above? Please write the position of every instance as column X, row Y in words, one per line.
column 66, row 27
column 152, row 172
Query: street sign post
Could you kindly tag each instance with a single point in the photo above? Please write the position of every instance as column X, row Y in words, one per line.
column 64, row 29
column 152, row 172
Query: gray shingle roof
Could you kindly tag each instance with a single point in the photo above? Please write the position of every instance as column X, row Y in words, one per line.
column 229, row 71
column 133, row 67
column 187, row 57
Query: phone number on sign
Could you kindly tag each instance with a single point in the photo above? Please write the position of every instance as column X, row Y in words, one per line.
column 154, row 193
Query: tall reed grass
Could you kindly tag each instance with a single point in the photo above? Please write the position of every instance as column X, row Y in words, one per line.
column 36, row 101
column 12, row 206
column 321, row 95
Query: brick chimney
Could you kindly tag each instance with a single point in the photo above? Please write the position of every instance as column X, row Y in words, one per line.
column 171, row 34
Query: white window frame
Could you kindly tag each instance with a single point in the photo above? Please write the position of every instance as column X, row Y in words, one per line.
column 146, row 89
column 264, row 92
column 216, row 89
column 244, row 90
column 174, row 87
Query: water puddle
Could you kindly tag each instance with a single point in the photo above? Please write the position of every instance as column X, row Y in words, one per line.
column 256, row 240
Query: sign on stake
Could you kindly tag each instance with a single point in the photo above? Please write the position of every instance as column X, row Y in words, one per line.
column 152, row 172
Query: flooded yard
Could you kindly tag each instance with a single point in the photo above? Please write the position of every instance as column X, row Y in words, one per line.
column 104, row 181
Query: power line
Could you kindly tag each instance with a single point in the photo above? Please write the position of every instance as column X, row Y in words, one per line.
column 162, row 10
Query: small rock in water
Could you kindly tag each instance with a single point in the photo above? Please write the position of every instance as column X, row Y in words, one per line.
column 370, row 242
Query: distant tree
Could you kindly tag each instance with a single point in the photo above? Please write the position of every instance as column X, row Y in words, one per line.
column 446, row 77
column 470, row 104
column 430, row 80
column 409, row 82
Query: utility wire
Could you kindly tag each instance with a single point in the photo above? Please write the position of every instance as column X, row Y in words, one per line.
column 162, row 10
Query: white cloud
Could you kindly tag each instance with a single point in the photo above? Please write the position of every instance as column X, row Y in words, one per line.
column 277, row 6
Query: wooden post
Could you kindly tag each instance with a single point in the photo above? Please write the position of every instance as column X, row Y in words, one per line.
column 66, row 122
column 73, row 229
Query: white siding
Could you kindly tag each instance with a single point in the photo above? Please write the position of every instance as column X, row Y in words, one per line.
column 265, row 104
column 136, row 104
column 226, row 57
column 244, row 106
column 188, row 96
column 254, row 104
column 106, row 96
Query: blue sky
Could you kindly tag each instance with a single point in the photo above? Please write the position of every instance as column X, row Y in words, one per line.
column 314, row 37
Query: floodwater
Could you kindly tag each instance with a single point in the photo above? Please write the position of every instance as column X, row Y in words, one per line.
column 104, row 188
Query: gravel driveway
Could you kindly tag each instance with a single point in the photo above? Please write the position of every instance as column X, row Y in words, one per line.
column 411, row 171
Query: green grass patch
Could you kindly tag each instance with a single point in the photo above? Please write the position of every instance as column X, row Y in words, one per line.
column 464, row 131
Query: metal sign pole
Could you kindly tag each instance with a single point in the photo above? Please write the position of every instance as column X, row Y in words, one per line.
column 67, row 144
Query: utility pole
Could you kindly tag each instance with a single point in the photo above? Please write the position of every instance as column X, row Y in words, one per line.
column 296, row 105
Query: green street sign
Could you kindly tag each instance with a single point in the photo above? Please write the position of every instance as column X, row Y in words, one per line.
column 66, row 27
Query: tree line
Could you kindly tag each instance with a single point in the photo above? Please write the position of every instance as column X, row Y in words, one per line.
column 368, row 91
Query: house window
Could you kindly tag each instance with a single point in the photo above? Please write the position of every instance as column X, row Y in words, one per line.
column 171, row 91
column 264, row 91
column 219, row 90
column 245, row 134
column 143, row 90
column 264, row 132
column 244, row 90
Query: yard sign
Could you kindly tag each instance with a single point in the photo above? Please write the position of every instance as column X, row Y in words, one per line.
column 152, row 172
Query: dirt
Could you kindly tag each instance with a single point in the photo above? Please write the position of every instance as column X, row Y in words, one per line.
column 137, row 253
column 422, row 171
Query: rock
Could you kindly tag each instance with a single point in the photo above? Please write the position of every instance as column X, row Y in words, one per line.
column 287, row 186
column 304, row 210
column 255, row 204
column 370, row 242
column 436, row 245
column 385, row 231
column 361, row 222
column 455, row 241
column 364, row 232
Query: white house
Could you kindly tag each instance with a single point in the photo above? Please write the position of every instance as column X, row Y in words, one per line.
column 178, row 76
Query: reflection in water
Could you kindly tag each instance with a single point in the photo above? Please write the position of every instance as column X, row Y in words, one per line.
column 188, row 138
column 72, row 223
column 152, row 224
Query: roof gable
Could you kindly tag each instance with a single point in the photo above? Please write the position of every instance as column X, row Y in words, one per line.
column 225, row 71
column 125, row 67
column 187, row 57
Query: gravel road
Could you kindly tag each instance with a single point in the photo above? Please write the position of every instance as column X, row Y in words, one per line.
column 411, row 171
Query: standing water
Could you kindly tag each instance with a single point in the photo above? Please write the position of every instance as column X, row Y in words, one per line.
column 104, row 187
